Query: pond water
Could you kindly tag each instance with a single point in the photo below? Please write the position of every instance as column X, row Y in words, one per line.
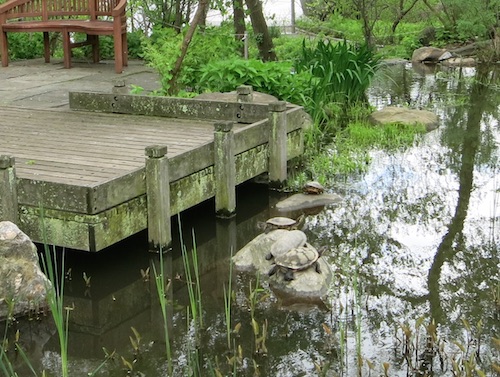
column 413, row 246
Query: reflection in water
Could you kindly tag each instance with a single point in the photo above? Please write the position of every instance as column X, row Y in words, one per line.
column 471, row 138
column 416, row 238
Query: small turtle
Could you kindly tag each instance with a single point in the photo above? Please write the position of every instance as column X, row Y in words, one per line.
column 288, row 241
column 279, row 222
column 298, row 259
column 313, row 187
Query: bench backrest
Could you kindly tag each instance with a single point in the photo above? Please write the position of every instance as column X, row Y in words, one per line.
column 51, row 9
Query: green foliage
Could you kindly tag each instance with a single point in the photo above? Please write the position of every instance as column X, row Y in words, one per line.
column 289, row 47
column 348, row 152
column 274, row 78
column 25, row 45
column 163, row 49
column 342, row 72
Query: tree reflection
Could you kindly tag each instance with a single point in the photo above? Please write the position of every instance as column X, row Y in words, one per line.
column 453, row 240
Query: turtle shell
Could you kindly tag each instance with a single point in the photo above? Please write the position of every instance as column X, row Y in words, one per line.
column 314, row 187
column 298, row 258
column 281, row 222
column 287, row 242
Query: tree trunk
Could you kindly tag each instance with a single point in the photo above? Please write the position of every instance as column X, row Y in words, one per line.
column 172, row 83
column 239, row 22
column 401, row 14
column 264, row 40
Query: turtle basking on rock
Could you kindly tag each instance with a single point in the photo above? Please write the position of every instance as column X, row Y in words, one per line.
column 279, row 222
column 314, row 188
column 298, row 259
column 290, row 240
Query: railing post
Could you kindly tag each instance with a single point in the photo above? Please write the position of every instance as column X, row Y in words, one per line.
column 277, row 144
column 244, row 93
column 158, row 198
column 224, row 170
column 8, row 190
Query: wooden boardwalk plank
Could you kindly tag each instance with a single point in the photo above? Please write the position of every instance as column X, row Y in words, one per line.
column 90, row 148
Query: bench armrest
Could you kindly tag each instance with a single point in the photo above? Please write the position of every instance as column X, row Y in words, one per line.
column 120, row 9
column 5, row 7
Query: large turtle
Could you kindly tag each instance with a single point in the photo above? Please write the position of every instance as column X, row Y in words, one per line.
column 313, row 187
column 288, row 241
column 298, row 259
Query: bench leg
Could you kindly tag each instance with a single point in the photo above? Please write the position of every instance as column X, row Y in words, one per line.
column 118, row 52
column 4, row 49
column 125, row 49
column 66, row 49
column 46, row 47
column 94, row 42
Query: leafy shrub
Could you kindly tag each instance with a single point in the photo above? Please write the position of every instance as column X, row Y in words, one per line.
column 163, row 48
column 275, row 78
column 25, row 45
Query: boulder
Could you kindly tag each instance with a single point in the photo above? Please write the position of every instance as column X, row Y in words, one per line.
column 308, row 285
column 252, row 257
column 24, row 285
column 460, row 62
column 430, row 55
column 393, row 114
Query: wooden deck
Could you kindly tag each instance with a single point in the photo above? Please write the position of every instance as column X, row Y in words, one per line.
column 88, row 149
column 80, row 176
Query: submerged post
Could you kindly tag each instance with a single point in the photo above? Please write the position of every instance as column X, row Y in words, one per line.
column 8, row 190
column 158, row 198
column 224, row 170
column 277, row 144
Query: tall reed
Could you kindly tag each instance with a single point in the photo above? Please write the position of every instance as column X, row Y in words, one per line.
column 161, row 289
column 193, row 281
column 55, row 300
column 228, row 295
column 341, row 73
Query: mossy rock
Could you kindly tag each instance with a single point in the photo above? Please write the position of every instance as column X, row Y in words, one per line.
column 406, row 116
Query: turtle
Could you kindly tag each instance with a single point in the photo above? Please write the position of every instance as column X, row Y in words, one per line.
column 297, row 259
column 289, row 241
column 313, row 187
column 279, row 222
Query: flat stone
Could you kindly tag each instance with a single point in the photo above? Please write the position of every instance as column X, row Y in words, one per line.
column 303, row 201
column 412, row 117
column 430, row 55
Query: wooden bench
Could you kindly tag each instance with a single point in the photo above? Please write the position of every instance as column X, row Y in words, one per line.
column 92, row 17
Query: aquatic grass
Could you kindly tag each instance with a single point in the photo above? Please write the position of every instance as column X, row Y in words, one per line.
column 161, row 289
column 358, row 317
column 5, row 364
column 55, row 300
column 340, row 74
column 228, row 297
column 193, row 281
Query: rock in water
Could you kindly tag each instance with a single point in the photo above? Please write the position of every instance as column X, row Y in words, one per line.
column 23, row 282
column 394, row 114
column 306, row 285
column 252, row 256
column 304, row 201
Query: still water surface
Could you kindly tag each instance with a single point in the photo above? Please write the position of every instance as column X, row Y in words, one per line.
column 414, row 247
